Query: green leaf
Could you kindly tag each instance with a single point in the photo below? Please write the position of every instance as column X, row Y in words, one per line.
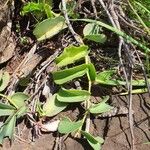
column 71, row 54
column 100, row 107
column 67, row 126
column 49, row 27
column 19, row 99
column 95, row 142
column 72, row 96
column 4, row 80
column 6, row 110
column 105, row 78
column 52, row 106
column 66, row 75
column 92, row 32
column 7, row 130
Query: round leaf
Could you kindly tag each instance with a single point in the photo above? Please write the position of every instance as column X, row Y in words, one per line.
column 67, row 126
column 52, row 106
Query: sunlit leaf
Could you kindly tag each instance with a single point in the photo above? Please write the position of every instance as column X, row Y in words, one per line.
column 100, row 107
column 4, row 80
column 71, row 54
column 66, row 75
column 67, row 126
column 95, row 142
column 52, row 106
column 49, row 27
column 19, row 99
column 32, row 7
column 72, row 96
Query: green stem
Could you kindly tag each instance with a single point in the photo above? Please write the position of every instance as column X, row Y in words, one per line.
column 139, row 18
column 87, row 102
column 118, row 32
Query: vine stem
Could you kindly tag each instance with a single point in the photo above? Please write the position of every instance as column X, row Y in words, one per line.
column 87, row 60
column 87, row 103
column 76, row 36
column 86, row 117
